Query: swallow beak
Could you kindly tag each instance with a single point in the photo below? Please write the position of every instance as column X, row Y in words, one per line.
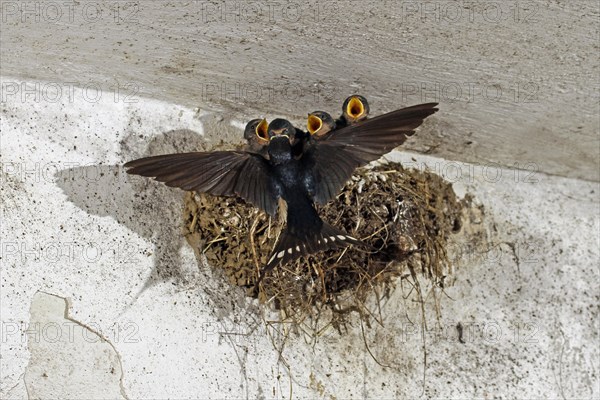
column 355, row 108
column 261, row 131
column 279, row 133
column 313, row 124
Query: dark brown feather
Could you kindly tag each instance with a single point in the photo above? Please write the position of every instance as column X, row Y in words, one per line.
column 331, row 160
column 289, row 247
column 221, row 173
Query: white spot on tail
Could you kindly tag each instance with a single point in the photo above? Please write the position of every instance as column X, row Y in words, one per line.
column 325, row 239
column 332, row 238
column 341, row 237
column 298, row 249
column 272, row 258
column 280, row 254
column 290, row 250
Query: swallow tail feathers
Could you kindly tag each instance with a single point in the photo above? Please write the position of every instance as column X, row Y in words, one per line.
column 306, row 234
column 290, row 247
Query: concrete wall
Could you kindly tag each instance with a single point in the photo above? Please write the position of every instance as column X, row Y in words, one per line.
column 100, row 295
column 518, row 81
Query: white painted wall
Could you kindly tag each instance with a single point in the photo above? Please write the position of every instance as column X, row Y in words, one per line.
column 75, row 227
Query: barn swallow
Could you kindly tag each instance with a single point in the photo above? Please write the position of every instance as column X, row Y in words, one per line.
column 305, row 232
column 320, row 123
column 256, row 135
column 315, row 177
column 355, row 109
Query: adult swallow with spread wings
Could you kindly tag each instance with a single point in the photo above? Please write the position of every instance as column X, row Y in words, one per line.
column 316, row 176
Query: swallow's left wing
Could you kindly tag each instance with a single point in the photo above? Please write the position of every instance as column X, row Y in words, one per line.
column 222, row 173
column 330, row 161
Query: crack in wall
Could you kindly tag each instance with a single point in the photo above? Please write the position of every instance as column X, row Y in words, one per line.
column 65, row 367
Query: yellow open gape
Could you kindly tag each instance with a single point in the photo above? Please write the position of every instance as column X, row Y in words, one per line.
column 313, row 124
column 261, row 131
column 355, row 108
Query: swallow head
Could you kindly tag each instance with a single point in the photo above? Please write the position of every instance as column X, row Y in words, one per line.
column 256, row 132
column 282, row 128
column 355, row 108
column 320, row 123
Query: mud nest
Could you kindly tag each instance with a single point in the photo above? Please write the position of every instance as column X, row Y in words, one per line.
column 407, row 215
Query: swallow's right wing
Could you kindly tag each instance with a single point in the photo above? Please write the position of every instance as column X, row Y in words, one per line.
column 330, row 161
column 222, row 173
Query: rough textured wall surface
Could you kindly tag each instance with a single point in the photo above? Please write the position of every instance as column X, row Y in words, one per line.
column 143, row 320
column 518, row 80
column 100, row 291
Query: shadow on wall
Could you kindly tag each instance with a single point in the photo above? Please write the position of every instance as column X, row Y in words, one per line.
column 148, row 208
